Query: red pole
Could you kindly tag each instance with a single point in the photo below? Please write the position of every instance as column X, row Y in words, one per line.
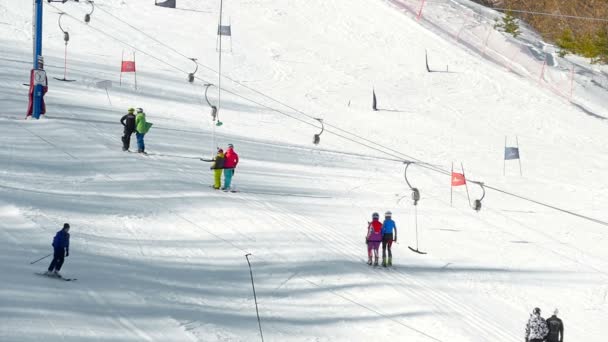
column 420, row 10
column 511, row 60
column 542, row 71
column 572, row 83
column 460, row 31
column 485, row 44
column 451, row 186
column 122, row 59
column 135, row 65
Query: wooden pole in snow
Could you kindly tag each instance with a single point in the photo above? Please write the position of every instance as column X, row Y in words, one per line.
column 518, row 156
column 465, row 183
column 451, row 186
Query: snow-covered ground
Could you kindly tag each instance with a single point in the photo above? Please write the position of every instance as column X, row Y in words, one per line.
column 160, row 256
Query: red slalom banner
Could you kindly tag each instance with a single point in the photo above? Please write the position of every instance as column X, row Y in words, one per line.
column 127, row 66
column 458, row 179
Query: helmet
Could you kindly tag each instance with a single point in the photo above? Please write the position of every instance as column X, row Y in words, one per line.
column 388, row 214
column 219, row 150
column 536, row 311
column 375, row 216
column 140, row 110
column 131, row 110
column 230, row 146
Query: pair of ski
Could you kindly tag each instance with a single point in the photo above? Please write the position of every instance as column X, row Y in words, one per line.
column 378, row 265
column 224, row 190
column 141, row 153
column 55, row 277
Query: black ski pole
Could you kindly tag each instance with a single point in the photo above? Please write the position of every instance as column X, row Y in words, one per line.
column 44, row 257
column 254, row 296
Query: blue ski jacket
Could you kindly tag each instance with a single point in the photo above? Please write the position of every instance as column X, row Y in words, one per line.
column 388, row 226
column 62, row 240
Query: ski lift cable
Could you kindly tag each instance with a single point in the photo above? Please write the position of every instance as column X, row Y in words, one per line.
column 382, row 149
column 243, row 85
column 223, row 76
column 128, row 44
column 197, row 77
column 255, row 90
column 149, row 36
column 169, row 64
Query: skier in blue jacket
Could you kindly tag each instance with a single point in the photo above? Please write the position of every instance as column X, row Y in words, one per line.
column 389, row 234
column 61, row 246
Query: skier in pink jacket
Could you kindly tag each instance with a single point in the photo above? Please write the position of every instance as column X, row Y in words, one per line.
column 373, row 238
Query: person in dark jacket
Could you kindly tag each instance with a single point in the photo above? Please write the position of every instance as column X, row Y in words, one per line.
column 61, row 246
column 128, row 121
column 218, row 167
column 556, row 328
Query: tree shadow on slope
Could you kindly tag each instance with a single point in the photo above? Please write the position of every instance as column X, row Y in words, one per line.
column 139, row 291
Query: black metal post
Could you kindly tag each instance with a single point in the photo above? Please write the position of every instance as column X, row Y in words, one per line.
column 255, row 296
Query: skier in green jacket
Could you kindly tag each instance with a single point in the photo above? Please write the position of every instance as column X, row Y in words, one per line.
column 141, row 128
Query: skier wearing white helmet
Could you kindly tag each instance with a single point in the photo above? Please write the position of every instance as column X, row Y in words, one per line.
column 389, row 234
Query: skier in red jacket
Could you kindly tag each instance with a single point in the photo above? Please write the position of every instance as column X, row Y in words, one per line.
column 231, row 160
column 373, row 238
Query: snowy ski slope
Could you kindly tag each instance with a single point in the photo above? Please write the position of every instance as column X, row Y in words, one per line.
column 159, row 255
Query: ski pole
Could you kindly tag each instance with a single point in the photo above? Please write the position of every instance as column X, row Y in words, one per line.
column 44, row 257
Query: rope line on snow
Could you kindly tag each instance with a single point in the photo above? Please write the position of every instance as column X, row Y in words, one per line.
column 371, row 144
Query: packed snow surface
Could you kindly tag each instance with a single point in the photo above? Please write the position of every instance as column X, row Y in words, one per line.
column 160, row 256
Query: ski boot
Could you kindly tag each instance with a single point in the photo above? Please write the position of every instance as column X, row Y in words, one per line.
column 369, row 261
column 383, row 261
column 390, row 261
column 375, row 261
column 49, row 274
column 56, row 274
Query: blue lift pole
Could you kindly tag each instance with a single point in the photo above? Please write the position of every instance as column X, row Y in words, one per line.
column 37, row 98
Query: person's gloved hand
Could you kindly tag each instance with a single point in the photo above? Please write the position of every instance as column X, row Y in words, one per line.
column 67, row 253
column 366, row 241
